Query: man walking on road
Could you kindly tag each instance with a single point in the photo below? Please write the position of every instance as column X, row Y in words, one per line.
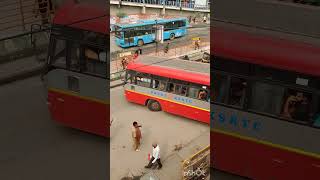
column 136, row 136
column 155, row 156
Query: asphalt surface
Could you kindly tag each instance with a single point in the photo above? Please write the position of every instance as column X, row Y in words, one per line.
column 34, row 147
column 166, row 129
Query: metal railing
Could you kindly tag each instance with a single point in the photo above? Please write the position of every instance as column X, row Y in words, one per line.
column 17, row 16
column 197, row 166
column 177, row 3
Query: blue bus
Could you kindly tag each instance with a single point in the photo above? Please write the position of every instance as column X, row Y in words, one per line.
column 143, row 31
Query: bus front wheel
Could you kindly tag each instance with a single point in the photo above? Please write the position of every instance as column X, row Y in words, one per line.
column 172, row 36
column 140, row 43
column 154, row 105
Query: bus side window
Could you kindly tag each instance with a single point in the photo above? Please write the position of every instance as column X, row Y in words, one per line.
column 75, row 57
column 177, row 89
column 316, row 117
column 155, row 84
column 143, row 81
column 219, row 84
column 162, row 86
column 59, row 54
column 184, row 90
column 266, row 98
column 297, row 105
column 237, row 91
column 170, row 87
column 193, row 92
column 95, row 61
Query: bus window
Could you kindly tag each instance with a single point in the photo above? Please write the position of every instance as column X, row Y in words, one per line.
column 143, row 81
column 316, row 117
column 162, row 86
column 184, row 91
column 155, row 84
column 95, row 61
column 237, row 91
column 75, row 57
column 177, row 89
column 297, row 105
column 193, row 92
column 59, row 54
column 219, row 88
column 170, row 87
column 266, row 98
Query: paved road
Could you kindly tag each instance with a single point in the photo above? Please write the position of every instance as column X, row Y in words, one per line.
column 168, row 130
column 202, row 32
column 34, row 147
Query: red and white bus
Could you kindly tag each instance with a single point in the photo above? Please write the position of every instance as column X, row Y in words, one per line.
column 171, row 85
column 265, row 105
column 78, row 68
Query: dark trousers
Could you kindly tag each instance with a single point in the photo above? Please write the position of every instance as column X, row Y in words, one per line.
column 157, row 161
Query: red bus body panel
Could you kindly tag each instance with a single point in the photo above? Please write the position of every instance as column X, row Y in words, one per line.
column 171, row 107
column 237, row 155
column 79, row 113
column 269, row 51
column 75, row 15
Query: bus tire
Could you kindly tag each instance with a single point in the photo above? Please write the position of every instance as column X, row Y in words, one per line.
column 154, row 105
column 172, row 36
column 140, row 42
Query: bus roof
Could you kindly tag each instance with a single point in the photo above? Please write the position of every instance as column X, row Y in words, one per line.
column 146, row 22
column 268, row 50
column 86, row 16
column 189, row 71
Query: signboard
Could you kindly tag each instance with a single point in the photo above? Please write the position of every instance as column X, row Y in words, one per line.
column 125, row 54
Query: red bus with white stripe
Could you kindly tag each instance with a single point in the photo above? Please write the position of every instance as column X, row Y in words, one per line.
column 77, row 68
column 171, row 85
column 265, row 105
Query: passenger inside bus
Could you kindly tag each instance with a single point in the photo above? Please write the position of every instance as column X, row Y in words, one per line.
column 170, row 87
column 297, row 107
column 202, row 95
column 162, row 86
column 237, row 91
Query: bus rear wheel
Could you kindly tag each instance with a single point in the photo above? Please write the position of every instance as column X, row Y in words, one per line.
column 140, row 43
column 172, row 36
column 154, row 105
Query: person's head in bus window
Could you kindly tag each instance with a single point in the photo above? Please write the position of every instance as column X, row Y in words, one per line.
column 302, row 108
column 162, row 86
column 171, row 87
column 202, row 95
column 295, row 106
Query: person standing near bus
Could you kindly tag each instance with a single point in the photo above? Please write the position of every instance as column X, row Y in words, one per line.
column 166, row 48
column 155, row 157
column 136, row 136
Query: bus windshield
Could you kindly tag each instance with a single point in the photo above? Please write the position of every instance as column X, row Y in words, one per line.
column 118, row 32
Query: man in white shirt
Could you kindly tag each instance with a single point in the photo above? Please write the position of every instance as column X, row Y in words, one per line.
column 155, row 157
